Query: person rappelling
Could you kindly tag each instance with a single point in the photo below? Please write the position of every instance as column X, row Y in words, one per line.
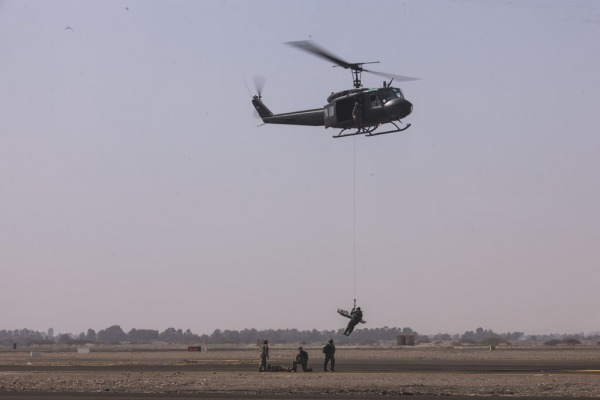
column 356, row 317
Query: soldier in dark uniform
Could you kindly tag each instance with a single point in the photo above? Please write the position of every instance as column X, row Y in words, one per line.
column 264, row 356
column 357, row 113
column 302, row 359
column 356, row 317
column 329, row 350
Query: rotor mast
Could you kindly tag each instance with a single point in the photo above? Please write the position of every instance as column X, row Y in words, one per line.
column 356, row 70
column 356, row 73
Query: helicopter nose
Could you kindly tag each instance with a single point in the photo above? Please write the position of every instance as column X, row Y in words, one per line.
column 399, row 108
column 407, row 107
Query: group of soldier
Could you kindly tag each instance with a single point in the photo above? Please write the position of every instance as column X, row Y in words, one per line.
column 355, row 316
column 301, row 359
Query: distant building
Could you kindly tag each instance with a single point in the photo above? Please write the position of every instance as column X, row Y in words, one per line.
column 405, row 340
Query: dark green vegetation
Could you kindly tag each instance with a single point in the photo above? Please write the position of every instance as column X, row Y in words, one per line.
column 115, row 334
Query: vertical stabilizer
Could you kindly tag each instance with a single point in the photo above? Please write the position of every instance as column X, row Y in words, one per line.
column 263, row 111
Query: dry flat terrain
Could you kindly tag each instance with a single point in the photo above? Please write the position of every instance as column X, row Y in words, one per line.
column 539, row 371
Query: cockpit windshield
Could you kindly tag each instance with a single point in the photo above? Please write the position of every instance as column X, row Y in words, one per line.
column 390, row 93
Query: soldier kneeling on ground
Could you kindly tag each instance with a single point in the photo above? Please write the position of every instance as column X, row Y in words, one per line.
column 302, row 359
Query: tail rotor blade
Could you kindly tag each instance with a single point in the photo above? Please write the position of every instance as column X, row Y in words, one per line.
column 259, row 84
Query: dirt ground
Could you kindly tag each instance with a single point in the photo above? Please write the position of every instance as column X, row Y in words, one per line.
column 383, row 370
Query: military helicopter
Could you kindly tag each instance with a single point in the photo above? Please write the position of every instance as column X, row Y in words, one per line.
column 358, row 108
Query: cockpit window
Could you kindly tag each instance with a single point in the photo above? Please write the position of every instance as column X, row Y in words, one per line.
column 374, row 101
column 390, row 93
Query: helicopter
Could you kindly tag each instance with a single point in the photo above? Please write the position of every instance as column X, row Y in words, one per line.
column 363, row 109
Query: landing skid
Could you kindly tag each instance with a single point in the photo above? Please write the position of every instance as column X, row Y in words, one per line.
column 392, row 131
column 348, row 134
column 369, row 131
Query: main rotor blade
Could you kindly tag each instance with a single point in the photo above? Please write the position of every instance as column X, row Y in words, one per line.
column 312, row 48
column 399, row 78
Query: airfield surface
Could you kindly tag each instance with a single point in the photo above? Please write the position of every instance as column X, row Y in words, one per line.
column 430, row 370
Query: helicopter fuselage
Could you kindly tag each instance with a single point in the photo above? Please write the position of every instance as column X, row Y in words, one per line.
column 379, row 106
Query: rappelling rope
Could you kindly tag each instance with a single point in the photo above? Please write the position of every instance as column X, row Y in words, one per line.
column 354, row 213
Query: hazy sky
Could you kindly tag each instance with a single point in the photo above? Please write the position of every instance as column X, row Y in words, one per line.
column 136, row 188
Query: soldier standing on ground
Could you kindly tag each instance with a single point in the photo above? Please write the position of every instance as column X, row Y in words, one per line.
column 264, row 356
column 329, row 350
column 302, row 359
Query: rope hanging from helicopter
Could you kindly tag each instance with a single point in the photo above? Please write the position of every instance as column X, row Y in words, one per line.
column 356, row 314
column 354, row 215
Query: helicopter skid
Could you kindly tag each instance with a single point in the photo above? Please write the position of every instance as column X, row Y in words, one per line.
column 349, row 134
column 386, row 132
column 369, row 132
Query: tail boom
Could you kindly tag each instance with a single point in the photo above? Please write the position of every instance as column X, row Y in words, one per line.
column 313, row 117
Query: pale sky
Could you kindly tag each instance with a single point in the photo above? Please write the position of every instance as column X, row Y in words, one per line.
column 137, row 189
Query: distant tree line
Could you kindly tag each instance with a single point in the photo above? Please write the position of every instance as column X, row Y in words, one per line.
column 115, row 334
column 488, row 337
column 23, row 336
column 287, row 336
column 111, row 335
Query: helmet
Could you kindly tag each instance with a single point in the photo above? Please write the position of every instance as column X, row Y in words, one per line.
column 300, row 348
column 358, row 308
column 265, row 341
column 331, row 341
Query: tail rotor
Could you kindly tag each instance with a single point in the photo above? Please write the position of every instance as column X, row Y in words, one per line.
column 262, row 110
column 259, row 84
